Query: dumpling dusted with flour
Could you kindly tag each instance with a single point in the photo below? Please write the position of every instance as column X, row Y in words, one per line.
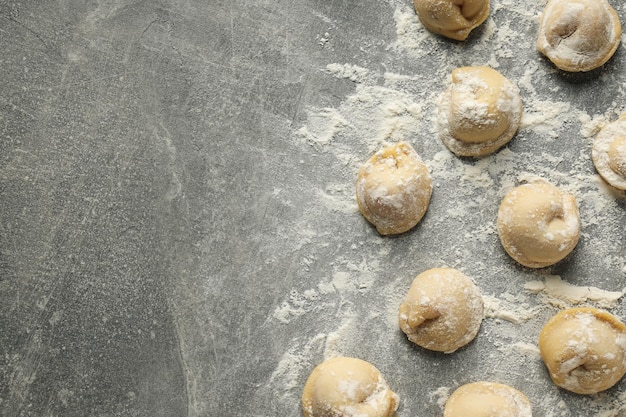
column 393, row 189
column 584, row 349
column 479, row 112
column 442, row 310
column 347, row 387
column 609, row 153
column 453, row 19
column 538, row 224
column 579, row 35
column 487, row 399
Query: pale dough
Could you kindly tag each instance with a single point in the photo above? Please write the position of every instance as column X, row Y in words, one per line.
column 487, row 399
column 609, row 153
column 393, row 189
column 538, row 224
column 347, row 387
column 579, row 35
column 453, row 19
column 584, row 349
column 479, row 112
column 442, row 310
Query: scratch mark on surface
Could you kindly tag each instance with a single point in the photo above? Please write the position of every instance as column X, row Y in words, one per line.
column 298, row 105
column 20, row 109
column 175, row 188
column 31, row 31
column 147, row 28
column 232, row 31
column 184, row 365
column 92, row 81
column 215, row 356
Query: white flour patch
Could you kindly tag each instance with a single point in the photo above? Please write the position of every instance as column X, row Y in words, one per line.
column 338, row 198
column 297, row 304
column 351, row 72
column 369, row 118
column 440, row 396
column 322, row 127
column 545, row 117
column 562, row 294
column 527, row 350
column 296, row 359
column 412, row 37
column 515, row 311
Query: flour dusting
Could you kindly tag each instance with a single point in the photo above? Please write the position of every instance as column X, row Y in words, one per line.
column 368, row 119
column 515, row 311
column 440, row 396
column 562, row 294
column 356, row 300
column 351, row 72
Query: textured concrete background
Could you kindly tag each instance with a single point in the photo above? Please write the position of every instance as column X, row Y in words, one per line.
column 152, row 197
column 140, row 142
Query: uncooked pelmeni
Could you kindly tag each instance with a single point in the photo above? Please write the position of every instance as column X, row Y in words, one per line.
column 609, row 153
column 538, row 224
column 584, row 349
column 393, row 189
column 487, row 399
column 347, row 387
column 442, row 310
column 579, row 35
column 479, row 112
column 453, row 19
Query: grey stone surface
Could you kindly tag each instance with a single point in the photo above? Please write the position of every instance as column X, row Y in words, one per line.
column 157, row 208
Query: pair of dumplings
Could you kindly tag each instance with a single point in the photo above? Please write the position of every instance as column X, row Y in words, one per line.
column 479, row 113
column 583, row 348
column 538, row 223
column 579, row 36
column 576, row 35
column 351, row 387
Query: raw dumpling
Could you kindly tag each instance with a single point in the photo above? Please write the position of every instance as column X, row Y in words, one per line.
column 487, row 399
column 347, row 387
column 454, row 19
column 479, row 112
column 579, row 35
column 538, row 224
column 609, row 153
column 584, row 349
column 393, row 189
column 442, row 310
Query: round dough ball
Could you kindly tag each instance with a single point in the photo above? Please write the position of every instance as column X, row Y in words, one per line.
column 393, row 189
column 487, row 399
column 538, row 224
column 442, row 310
column 479, row 112
column 584, row 349
column 609, row 153
column 579, row 35
column 347, row 387
column 453, row 19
